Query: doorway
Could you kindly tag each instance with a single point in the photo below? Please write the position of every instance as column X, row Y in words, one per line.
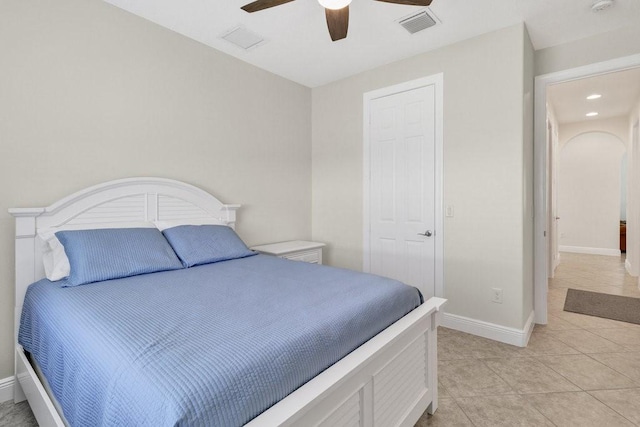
column 403, row 227
column 542, row 224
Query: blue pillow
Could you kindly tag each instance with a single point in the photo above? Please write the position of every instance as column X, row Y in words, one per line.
column 96, row 255
column 205, row 244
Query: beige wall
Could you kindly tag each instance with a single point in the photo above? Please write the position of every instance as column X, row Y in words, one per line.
column 599, row 48
column 90, row 93
column 483, row 168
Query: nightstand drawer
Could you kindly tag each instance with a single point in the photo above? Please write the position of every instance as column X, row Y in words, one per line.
column 313, row 256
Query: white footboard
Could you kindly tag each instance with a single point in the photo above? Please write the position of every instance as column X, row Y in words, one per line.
column 29, row 386
column 388, row 381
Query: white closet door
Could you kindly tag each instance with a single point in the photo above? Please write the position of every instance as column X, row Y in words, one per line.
column 402, row 187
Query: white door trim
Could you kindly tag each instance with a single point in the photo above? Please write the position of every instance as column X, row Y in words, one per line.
column 541, row 225
column 632, row 263
column 436, row 80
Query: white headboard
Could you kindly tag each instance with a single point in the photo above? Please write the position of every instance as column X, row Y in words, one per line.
column 124, row 200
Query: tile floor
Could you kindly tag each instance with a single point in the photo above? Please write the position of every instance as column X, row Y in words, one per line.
column 577, row 370
column 19, row 415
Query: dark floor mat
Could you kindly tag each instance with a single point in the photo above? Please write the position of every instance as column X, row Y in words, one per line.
column 616, row 307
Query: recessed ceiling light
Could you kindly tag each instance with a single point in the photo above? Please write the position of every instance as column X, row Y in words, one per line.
column 594, row 96
column 592, row 114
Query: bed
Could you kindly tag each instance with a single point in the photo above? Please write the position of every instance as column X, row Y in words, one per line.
column 390, row 379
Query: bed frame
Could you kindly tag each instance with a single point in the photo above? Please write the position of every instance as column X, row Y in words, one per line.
column 389, row 380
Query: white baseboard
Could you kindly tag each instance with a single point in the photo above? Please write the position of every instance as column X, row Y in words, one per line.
column 630, row 270
column 513, row 336
column 6, row 389
column 591, row 251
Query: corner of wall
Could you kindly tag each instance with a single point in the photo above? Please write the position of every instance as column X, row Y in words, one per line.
column 527, row 177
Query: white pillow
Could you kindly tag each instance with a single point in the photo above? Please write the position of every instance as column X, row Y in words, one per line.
column 55, row 261
column 163, row 225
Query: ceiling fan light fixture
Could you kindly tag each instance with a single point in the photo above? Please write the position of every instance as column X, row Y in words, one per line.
column 334, row 4
column 336, row 12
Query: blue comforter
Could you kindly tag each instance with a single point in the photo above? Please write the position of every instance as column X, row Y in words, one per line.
column 213, row 345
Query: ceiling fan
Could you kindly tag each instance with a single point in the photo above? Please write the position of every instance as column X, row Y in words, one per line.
column 336, row 11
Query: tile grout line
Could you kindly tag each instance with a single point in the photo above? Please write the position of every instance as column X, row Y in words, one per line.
column 568, row 380
column 605, row 404
column 463, row 412
column 615, row 370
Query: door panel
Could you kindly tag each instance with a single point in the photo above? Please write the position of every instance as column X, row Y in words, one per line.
column 402, row 187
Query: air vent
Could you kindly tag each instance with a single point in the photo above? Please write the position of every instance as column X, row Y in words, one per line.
column 418, row 22
column 243, row 38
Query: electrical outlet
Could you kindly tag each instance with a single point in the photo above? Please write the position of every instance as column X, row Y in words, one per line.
column 496, row 295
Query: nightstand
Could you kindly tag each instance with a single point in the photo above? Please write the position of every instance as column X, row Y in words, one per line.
column 297, row 250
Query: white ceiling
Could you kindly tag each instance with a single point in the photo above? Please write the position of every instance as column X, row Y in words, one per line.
column 299, row 47
column 620, row 93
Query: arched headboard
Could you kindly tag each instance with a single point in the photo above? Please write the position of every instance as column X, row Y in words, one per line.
column 123, row 200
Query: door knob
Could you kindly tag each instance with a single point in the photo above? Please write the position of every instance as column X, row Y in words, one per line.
column 427, row 233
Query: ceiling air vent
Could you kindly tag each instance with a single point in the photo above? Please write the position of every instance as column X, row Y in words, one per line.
column 418, row 22
column 243, row 38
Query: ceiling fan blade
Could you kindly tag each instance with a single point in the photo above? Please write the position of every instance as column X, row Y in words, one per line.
column 338, row 22
column 409, row 2
column 262, row 4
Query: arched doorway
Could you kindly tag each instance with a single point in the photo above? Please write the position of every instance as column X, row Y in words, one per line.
column 589, row 193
